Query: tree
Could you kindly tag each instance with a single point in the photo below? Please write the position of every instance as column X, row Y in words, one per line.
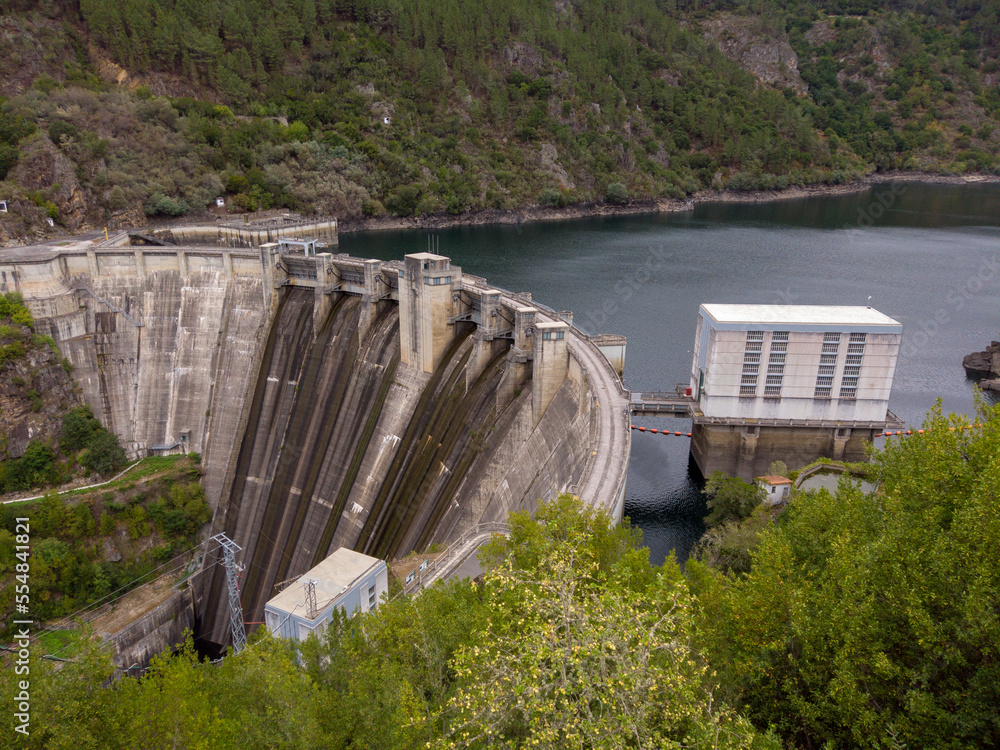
column 578, row 652
column 79, row 425
column 381, row 675
column 105, row 454
column 871, row 619
column 616, row 193
column 730, row 498
column 729, row 546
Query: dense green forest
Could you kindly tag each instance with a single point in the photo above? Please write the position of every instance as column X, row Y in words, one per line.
column 118, row 111
column 863, row 620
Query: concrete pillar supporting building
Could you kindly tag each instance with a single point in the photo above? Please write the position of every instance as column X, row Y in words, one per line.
column 748, row 451
column 521, row 351
column 728, row 448
column 524, row 328
column 486, row 345
column 491, row 316
column 140, row 265
column 550, row 365
column 484, row 348
column 274, row 276
column 375, row 290
column 92, row 262
column 840, row 438
column 227, row 265
column 425, row 309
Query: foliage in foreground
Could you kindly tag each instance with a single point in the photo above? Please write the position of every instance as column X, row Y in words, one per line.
column 863, row 621
column 869, row 620
column 572, row 639
column 585, row 646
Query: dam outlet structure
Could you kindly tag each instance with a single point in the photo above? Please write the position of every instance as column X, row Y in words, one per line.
column 336, row 401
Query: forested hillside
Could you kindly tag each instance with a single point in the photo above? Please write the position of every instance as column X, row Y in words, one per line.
column 119, row 111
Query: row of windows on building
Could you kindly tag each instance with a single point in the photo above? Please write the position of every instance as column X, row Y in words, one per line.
column 556, row 335
column 775, row 374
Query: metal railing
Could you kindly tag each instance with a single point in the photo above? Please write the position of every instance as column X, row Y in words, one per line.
column 853, row 424
column 113, row 307
column 454, row 555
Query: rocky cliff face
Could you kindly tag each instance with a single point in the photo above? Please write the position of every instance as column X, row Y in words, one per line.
column 986, row 363
column 43, row 167
column 35, row 391
column 768, row 57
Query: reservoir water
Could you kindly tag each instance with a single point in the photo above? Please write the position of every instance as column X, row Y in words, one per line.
column 927, row 255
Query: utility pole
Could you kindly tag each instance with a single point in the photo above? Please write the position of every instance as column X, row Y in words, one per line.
column 229, row 550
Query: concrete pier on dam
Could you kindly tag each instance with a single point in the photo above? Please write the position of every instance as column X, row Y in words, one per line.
column 381, row 406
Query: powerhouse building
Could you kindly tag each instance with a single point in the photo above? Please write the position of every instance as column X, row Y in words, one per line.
column 789, row 382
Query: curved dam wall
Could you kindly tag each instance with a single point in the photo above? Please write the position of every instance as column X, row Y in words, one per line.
column 336, row 402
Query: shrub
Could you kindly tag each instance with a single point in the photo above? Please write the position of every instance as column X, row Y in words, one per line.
column 405, row 200
column 35, row 467
column 8, row 159
column 616, row 193
column 160, row 204
column 254, row 199
column 79, row 425
column 117, row 200
column 372, row 207
column 730, row 498
column 105, row 455
column 11, row 352
column 80, row 522
column 36, row 400
column 12, row 307
column 60, row 128
column 549, row 197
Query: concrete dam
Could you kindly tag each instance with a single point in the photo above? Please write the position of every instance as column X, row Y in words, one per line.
column 380, row 406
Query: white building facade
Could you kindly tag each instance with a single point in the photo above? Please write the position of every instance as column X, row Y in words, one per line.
column 807, row 363
column 345, row 580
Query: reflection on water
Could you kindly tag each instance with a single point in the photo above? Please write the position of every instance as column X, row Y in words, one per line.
column 928, row 255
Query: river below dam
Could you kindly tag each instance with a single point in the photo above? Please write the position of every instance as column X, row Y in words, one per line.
column 927, row 255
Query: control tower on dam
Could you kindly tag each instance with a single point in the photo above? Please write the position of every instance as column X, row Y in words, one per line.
column 337, row 402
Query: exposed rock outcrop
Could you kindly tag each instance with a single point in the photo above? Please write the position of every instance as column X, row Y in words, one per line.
column 43, row 167
column 768, row 57
column 986, row 363
column 35, row 391
column 548, row 162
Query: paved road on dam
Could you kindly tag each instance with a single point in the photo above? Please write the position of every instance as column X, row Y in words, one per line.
column 607, row 469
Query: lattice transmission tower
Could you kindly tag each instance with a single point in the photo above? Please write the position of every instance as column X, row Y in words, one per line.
column 229, row 550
